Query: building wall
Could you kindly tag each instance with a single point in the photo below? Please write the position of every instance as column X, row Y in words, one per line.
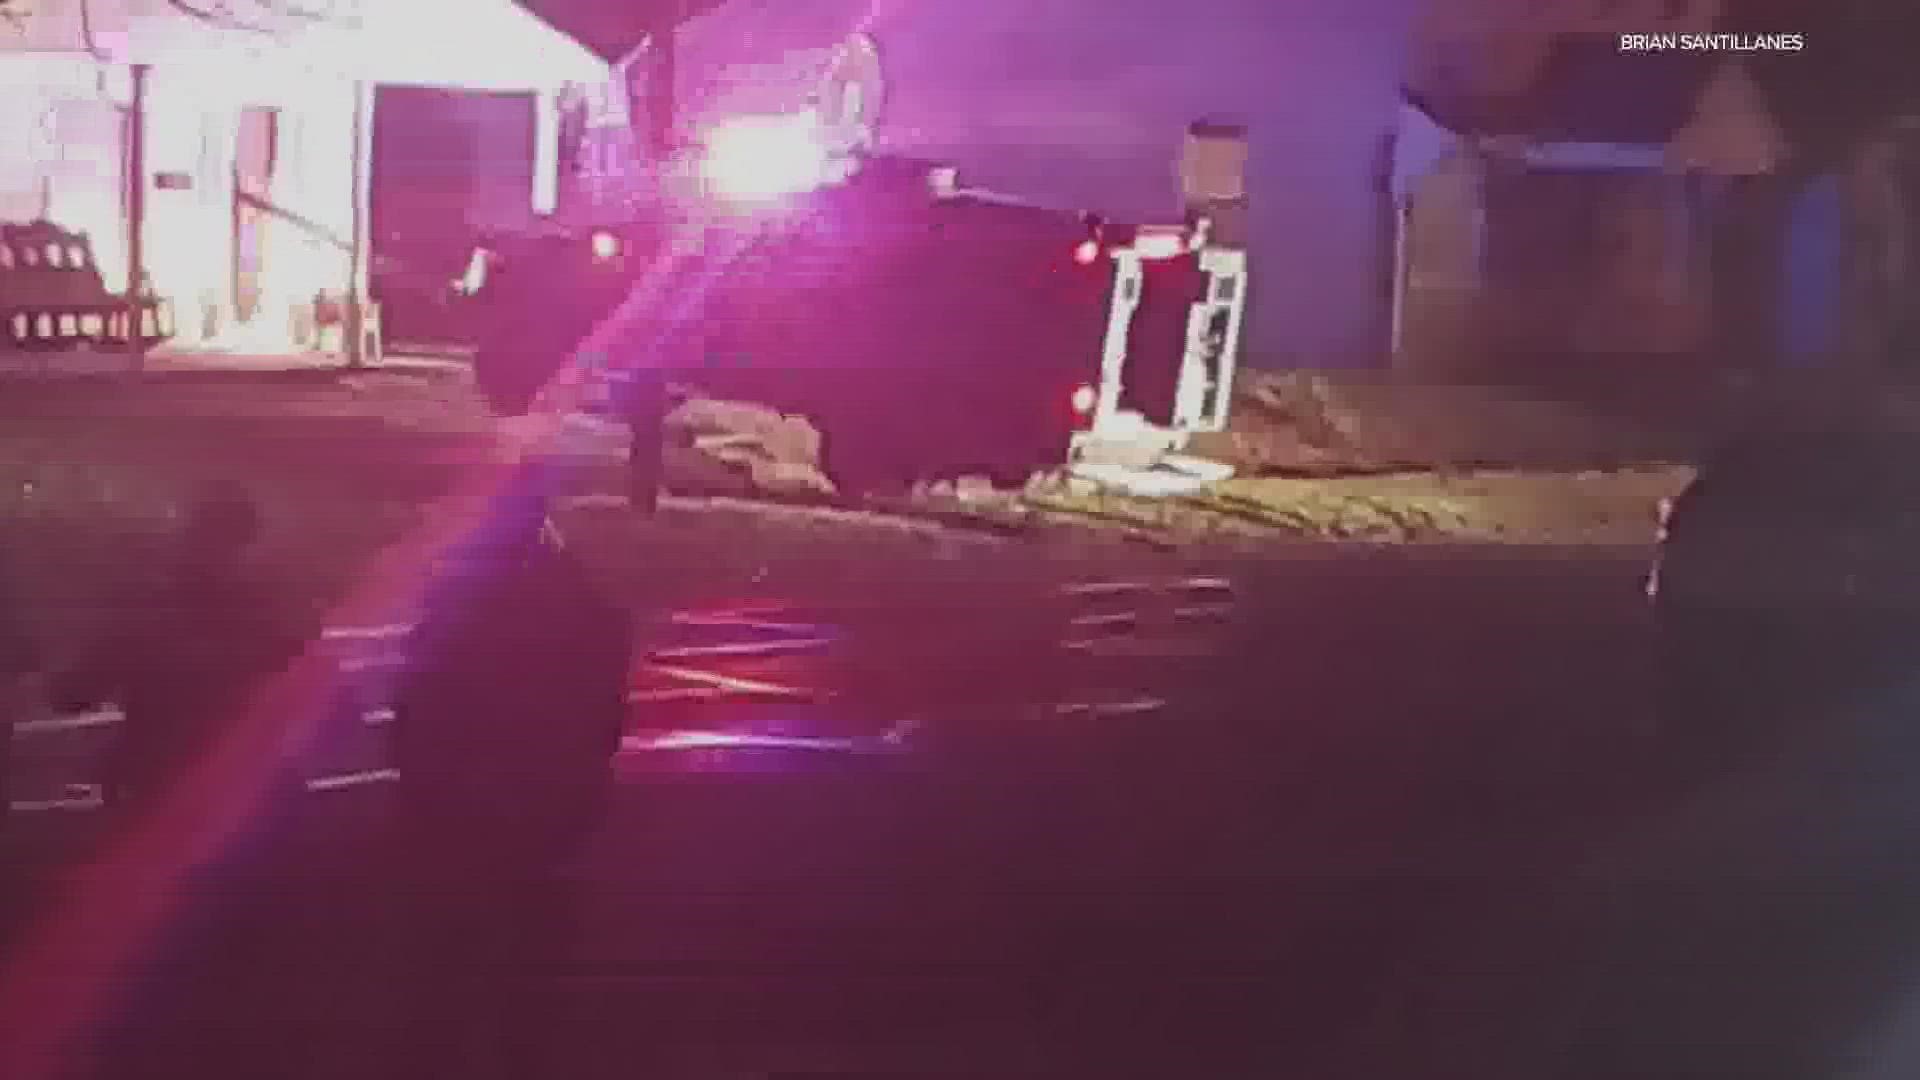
column 61, row 140
column 605, row 170
column 1443, row 335
column 1519, row 269
column 60, row 151
column 61, row 156
column 1880, row 186
column 1816, row 240
column 1511, row 266
column 1600, row 263
column 193, row 128
column 450, row 162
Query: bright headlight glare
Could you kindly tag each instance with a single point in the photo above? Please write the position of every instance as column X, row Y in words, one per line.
column 764, row 157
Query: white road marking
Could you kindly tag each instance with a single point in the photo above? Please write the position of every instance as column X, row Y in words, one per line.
column 712, row 685
column 678, row 693
column 1139, row 648
column 1104, row 588
column 1118, row 618
column 1111, row 708
column 70, row 722
column 685, row 619
column 1204, row 611
column 354, row 779
column 726, row 740
column 78, row 797
column 742, row 648
column 366, row 633
column 356, row 664
column 741, row 611
column 739, row 685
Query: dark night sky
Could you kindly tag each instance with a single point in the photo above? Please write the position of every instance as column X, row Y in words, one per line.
column 1857, row 67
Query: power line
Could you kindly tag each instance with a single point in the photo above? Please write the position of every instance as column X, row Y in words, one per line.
column 86, row 31
column 221, row 18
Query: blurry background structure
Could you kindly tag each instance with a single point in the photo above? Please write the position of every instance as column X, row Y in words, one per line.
column 256, row 127
column 1569, row 209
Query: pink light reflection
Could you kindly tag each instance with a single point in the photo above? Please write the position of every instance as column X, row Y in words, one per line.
column 71, row 958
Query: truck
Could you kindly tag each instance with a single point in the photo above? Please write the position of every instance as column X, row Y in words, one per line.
column 777, row 250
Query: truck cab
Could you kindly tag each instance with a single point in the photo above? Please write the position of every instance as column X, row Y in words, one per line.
column 921, row 332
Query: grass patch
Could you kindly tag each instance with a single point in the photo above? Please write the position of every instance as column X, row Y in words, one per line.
column 93, row 471
column 1535, row 507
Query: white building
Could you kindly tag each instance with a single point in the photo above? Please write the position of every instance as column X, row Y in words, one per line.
column 257, row 135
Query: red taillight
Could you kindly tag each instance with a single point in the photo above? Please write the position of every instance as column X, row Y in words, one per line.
column 1086, row 253
column 1084, row 399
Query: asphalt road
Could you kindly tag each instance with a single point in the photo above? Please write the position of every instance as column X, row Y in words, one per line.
column 1336, row 814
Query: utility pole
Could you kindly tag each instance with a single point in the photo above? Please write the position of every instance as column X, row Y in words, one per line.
column 360, row 242
column 137, row 220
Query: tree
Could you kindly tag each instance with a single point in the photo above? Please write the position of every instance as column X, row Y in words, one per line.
column 1848, row 104
column 1855, row 75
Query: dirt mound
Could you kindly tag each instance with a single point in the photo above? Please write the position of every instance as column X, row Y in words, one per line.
column 739, row 448
column 1321, row 424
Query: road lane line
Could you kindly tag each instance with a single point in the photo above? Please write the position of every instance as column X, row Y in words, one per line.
column 78, row 797
column 726, row 740
column 742, row 648
column 738, row 611
column 736, row 684
column 1104, row 588
column 1118, row 618
column 366, row 633
column 687, row 619
column 1111, row 708
column 679, row 693
column 343, row 781
column 1204, row 611
column 376, row 717
column 1140, row 648
column 69, row 722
